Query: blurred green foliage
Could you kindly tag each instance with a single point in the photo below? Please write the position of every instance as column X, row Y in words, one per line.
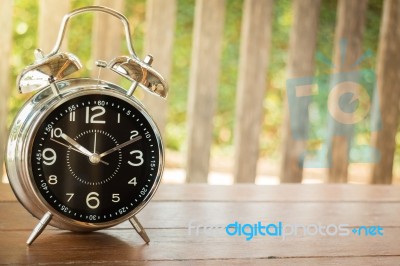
column 25, row 39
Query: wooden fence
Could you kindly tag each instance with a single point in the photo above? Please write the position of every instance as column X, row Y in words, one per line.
column 255, row 45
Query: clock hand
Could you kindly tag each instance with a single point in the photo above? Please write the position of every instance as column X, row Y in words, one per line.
column 68, row 146
column 95, row 140
column 93, row 157
column 76, row 145
column 120, row 146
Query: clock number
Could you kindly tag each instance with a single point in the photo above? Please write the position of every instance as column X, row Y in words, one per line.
column 72, row 116
column 64, row 208
column 139, row 157
column 92, row 200
column 56, row 132
column 143, row 191
column 122, row 210
column 53, row 180
column 49, row 156
column 132, row 181
column 134, row 133
column 49, row 127
column 70, row 195
column 92, row 118
column 115, row 198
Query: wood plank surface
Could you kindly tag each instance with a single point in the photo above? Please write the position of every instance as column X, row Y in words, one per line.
column 253, row 193
column 181, row 215
column 203, row 86
column 303, row 42
column 172, row 218
column 351, row 214
column 50, row 16
column 6, row 8
column 114, row 246
column 389, row 93
column 255, row 42
column 348, row 48
column 159, row 40
column 107, row 39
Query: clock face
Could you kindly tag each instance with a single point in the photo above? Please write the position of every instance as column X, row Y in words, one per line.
column 95, row 158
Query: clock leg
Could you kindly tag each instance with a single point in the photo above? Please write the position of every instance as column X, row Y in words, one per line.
column 39, row 227
column 139, row 229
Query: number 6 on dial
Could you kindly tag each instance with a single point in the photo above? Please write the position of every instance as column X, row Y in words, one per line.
column 93, row 197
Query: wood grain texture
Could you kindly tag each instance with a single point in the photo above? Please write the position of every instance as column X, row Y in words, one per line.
column 178, row 215
column 120, row 246
column 6, row 12
column 252, row 193
column 348, row 48
column 203, row 87
column 107, row 39
column 159, row 40
column 303, row 40
column 167, row 220
column 50, row 16
column 388, row 78
column 254, row 55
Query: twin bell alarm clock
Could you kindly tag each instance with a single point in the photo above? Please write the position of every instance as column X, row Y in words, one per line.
column 83, row 154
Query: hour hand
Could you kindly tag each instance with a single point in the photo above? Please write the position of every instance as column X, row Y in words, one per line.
column 93, row 157
column 76, row 145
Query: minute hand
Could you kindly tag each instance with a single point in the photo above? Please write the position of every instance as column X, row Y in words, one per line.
column 120, row 146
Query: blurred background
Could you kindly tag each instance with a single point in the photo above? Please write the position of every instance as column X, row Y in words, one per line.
column 229, row 65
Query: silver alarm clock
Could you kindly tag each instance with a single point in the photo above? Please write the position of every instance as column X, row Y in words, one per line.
column 83, row 154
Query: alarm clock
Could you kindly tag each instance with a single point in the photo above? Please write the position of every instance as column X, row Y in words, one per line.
column 83, row 154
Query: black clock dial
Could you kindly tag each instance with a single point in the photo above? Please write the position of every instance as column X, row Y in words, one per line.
column 95, row 158
column 95, row 173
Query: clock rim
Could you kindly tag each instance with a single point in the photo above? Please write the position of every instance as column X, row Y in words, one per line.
column 31, row 117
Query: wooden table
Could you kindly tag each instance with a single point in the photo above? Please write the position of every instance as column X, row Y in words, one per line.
column 175, row 207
